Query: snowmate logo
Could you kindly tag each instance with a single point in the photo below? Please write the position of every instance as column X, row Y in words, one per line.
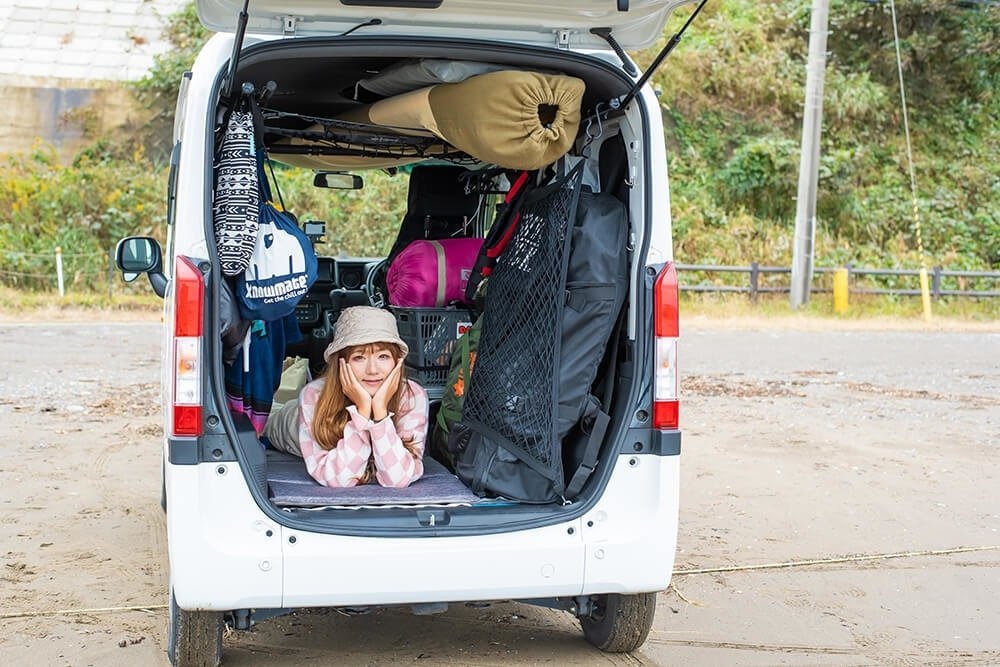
column 279, row 291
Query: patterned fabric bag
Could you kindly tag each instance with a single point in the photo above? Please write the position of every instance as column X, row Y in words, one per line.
column 236, row 209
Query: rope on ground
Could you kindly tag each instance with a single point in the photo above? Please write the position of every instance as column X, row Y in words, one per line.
column 747, row 646
column 677, row 592
column 97, row 610
column 833, row 561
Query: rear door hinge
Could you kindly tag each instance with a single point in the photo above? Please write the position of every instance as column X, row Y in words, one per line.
column 562, row 37
column 288, row 24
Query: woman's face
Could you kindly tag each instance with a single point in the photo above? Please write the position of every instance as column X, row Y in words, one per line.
column 371, row 365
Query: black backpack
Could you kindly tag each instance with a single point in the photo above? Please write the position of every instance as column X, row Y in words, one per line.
column 566, row 264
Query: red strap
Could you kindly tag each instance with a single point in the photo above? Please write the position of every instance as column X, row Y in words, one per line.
column 514, row 189
column 488, row 254
column 497, row 249
column 501, row 245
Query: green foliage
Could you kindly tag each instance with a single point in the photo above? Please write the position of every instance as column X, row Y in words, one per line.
column 106, row 194
column 732, row 105
column 157, row 90
column 732, row 100
column 83, row 208
column 761, row 176
column 359, row 223
column 949, row 52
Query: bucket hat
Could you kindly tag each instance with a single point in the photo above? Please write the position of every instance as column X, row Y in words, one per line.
column 363, row 325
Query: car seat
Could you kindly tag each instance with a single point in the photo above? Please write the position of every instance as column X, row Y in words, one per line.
column 437, row 206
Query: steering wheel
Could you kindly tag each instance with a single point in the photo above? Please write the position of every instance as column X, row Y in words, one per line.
column 375, row 283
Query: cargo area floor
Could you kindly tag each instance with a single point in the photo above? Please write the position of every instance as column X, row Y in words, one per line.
column 290, row 485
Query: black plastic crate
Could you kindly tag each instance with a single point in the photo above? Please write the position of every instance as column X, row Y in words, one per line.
column 431, row 334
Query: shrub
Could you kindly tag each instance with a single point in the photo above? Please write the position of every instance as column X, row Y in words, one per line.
column 83, row 208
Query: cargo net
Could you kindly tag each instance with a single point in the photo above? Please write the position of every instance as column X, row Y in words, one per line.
column 512, row 391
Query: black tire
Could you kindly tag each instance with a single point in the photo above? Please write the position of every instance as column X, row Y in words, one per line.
column 619, row 623
column 194, row 638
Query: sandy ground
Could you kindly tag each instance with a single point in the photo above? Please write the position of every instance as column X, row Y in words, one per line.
column 799, row 444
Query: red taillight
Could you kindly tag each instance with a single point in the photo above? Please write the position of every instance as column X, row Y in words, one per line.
column 187, row 420
column 666, row 322
column 666, row 329
column 189, row 294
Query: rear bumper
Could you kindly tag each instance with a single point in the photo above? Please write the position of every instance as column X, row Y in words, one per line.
column 226, row 554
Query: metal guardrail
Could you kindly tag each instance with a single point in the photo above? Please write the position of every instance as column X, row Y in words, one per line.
column 755, row 271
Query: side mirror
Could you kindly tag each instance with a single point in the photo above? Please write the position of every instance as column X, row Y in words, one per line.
column 337, row 180
column 141, row 254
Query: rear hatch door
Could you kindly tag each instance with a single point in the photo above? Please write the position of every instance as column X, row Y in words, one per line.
column 635, row 24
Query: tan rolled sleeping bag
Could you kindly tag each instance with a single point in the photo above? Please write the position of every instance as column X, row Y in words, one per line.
column 514, row 119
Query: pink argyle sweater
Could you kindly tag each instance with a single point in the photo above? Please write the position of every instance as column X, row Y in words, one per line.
column 344, row 464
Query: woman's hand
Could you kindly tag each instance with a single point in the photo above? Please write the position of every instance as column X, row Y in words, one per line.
column 354, row 390
column 380, row 401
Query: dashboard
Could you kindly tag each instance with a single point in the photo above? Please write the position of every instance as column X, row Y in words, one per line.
column 340, row 283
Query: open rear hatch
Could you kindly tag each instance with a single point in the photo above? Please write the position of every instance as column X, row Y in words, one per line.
column 635, row 24
column 314, row 77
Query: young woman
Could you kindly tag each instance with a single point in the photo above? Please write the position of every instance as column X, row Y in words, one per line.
column 363, row 420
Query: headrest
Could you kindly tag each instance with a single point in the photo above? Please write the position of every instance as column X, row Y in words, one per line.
column 438, row 191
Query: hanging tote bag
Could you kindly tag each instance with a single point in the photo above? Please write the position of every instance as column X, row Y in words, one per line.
column 236, row 207
column 282, row 265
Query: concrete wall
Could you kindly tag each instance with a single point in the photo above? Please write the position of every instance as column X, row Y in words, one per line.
column 60, row 114
column 57, row 56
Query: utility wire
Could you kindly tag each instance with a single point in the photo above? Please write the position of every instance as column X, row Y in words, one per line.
column 52, row 254
column 906, row 130
column 20, row 274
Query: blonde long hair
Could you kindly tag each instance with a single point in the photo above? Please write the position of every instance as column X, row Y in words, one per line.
column 331, row 416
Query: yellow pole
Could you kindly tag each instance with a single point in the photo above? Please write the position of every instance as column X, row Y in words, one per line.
column 925, row 294
column 840, row 291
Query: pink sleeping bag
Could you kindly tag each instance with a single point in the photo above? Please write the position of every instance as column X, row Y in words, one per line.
column 432, row 274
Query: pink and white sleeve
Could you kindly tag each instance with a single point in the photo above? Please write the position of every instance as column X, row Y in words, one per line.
column 395, row 465
column 344, row 464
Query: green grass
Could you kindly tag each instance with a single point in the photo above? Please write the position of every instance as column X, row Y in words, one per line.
column 26, row 303
column 861, row 307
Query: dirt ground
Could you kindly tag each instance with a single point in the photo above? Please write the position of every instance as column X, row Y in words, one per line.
column 799, row 444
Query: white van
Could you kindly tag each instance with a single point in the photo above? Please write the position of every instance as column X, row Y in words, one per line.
column 236, row 555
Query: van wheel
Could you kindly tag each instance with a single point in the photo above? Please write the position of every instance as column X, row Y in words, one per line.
column 619, row 623
column 194, row 638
